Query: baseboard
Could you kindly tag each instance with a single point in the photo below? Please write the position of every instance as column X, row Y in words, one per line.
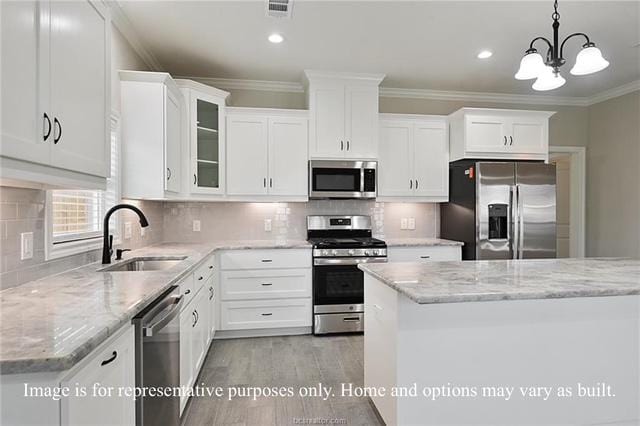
column 266, row 332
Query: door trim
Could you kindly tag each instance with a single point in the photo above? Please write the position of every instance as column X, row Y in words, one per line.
column 578, row 156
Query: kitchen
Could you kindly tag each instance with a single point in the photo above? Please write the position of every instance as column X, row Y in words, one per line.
column 276, row 190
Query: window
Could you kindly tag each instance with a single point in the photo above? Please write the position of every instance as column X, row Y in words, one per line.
column 74, row 217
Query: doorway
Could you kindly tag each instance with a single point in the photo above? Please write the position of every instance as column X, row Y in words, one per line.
column 570, row 199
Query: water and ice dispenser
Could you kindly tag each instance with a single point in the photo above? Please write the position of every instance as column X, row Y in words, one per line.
column 498, row 221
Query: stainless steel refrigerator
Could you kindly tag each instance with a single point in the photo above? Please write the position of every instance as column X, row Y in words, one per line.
column 501, row 210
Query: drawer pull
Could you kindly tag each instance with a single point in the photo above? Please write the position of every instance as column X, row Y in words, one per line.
column 187, row 292
column 200, row 278
column 425, row 257
column 265, row 284
column 267, row 314
column 266, row 260
column 351, row 319
column 110, row 360
column 210, row 266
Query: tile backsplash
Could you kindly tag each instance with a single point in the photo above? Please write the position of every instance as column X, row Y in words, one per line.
column 23, row 210
column 232, row 221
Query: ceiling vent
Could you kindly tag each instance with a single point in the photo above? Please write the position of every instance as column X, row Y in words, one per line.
column 279, row 8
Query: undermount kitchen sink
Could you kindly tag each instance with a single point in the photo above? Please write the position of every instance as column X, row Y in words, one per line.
column 144, row 264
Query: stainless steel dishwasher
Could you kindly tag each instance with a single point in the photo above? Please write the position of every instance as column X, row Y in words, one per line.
column 157, row 330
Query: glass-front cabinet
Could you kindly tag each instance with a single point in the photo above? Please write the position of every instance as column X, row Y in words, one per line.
column 206, row 137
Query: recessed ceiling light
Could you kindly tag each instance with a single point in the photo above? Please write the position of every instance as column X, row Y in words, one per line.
column 276, row 38
column 485, row 54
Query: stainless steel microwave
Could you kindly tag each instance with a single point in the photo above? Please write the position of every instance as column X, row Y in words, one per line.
column 342, row 179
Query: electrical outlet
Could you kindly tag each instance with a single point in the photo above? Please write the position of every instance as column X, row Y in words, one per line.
column 403, row 223
column 196, row 226
column 26, row 245
column 411, row 223
column 127, row 230
column 267, row 225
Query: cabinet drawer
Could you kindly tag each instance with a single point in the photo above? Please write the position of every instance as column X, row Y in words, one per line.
column 187, row 289
column 265, row 259
column 203, row 273
column 266, row 284
column 424, row 254
column 248, row 315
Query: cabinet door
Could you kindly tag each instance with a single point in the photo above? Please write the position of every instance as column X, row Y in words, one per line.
column 361, row 119
column 328, row 136
column 111, row 366
column 186, row 371
column 247, row 155
column 200, row 332
column 486, row 133
column 528, row 135
column 206, row 144
column 431, row 160
column 173, row 138
column 395, row 171
column 288, row 142
column 26, row 133
column 79, row 86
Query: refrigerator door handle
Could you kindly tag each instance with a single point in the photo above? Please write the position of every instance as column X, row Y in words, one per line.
column 512, row 222
column 520, row 224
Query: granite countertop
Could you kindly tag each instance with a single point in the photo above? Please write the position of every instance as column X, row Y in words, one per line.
column 416, row 242
column 491, row 280
column 50, row 324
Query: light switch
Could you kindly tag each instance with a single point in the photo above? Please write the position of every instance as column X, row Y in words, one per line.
column 403, row 223
column 127, row 230
column 196, row 226
column 411, row 223
column 26, row 245
column 267, row 225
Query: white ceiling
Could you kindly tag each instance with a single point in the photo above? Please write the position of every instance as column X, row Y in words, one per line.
column 419, row 45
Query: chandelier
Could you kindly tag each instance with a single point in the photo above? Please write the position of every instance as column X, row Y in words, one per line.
column 547, row 71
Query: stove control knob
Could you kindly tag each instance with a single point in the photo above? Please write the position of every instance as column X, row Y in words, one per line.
column 334, row 252
column 375, row 252
column 352, row 252
column 325, row 252
column 369, row 252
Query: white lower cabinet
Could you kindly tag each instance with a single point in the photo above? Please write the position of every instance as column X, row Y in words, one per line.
column 265, row 289
column 111, row 365
column 424, row 253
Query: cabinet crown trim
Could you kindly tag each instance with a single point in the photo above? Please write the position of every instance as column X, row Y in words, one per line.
column 150, row 77
column 310, row 75
column 200, row 87
column 270, row 112
column 413, row 117
column 503, row 112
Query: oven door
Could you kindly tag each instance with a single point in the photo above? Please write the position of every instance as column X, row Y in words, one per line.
column 338, row 281
column 342, row 179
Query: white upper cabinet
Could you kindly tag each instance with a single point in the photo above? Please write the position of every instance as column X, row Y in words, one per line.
column 56, row 92
column 414, row 158
column 343, row 115
column 151, row 135
column 499, row 134
column 205, row 133
column 267, row 153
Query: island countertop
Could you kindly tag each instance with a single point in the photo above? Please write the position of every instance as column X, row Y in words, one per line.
column 491, row 280
column 50, row 324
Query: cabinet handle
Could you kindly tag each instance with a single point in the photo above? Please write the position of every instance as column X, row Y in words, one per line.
column 348, row 146
column 264, row 182
column 200, row 278
column 410, row 183
column 267, row 314
column 270, row 182
column 197, row 316
column 56, row 122
column 341, row 145
column 266, row 260
column 195, row 179
column 505, row 141
column 187, row 292
column 425, row 257
column 114, row 355
column 266, row 284
column 210, row 266
column 351, row 319
column 168, row 173
column 416, row 183
column 511, row 139
column 210, row 293
column 46, row 121
column 193, row 314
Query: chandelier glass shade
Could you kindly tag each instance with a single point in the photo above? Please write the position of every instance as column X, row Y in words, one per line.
column 546, row 70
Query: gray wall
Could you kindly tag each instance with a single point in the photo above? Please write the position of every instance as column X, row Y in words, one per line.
column 613, row 177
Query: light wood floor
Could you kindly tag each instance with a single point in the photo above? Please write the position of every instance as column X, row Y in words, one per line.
column 297, row 361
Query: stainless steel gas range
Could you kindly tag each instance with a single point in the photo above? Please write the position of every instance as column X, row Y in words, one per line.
column 340, row 243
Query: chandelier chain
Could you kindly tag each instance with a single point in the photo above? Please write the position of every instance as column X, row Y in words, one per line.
column 555, row 15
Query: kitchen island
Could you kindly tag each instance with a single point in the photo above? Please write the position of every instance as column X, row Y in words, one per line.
column 504, row 342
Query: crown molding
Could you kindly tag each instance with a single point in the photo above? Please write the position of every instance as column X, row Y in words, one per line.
column 237, row 84
column 614, row 93
column 122, row 23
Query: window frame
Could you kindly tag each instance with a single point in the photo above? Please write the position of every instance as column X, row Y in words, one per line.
column 58, row 249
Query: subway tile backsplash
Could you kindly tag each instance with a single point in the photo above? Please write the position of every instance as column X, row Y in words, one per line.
column 23, row 210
